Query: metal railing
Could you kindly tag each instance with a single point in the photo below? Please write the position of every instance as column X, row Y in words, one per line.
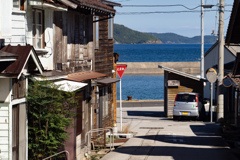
column 58, row 154
column 100, row 130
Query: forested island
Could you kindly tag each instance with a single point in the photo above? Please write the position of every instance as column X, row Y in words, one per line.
column 124, row 35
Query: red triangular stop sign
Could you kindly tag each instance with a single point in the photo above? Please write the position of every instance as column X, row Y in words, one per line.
column 120, row 70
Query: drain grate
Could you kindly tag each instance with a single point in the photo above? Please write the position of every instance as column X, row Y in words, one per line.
column 151, row 127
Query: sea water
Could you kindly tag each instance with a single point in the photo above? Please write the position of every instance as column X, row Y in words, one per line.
column 144, row 87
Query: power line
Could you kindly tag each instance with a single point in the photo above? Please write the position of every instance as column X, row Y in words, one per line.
column 175, row 5
column 163, row 12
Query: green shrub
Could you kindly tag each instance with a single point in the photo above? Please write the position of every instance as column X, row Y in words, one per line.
column 50, row 113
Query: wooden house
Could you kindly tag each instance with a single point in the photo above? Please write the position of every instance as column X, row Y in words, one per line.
column 231, row 98
column 78, row 41
column 17, row 63
column 211, row 61
column 73, row 40
column 175, row 82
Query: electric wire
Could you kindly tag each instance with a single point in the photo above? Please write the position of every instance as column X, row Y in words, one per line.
column 174, row 5
column 167, row 12
column 163, row 12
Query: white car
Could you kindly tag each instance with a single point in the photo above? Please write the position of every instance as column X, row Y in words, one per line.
column 187, row 104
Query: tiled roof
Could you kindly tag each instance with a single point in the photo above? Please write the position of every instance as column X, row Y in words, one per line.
column 95, row 4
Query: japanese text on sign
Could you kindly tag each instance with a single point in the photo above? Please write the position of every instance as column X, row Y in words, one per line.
column 121, row 69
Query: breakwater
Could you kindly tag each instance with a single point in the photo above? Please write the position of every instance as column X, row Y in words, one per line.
column 151, row 68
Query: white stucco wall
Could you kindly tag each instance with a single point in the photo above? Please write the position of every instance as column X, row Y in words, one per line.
column 47, row 59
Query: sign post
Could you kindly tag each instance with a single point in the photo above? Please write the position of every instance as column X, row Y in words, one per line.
column 212, row 77
column 120, row 71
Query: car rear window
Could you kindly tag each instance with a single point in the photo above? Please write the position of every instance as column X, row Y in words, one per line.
column 186, row 98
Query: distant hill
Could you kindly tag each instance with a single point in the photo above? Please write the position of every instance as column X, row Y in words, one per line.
column 175, row 38
column 126, row 35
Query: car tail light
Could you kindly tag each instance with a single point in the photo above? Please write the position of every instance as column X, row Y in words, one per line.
column 175, row 101
column 196, row 100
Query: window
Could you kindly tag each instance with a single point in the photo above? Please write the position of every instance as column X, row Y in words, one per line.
column 38, row 29
column 105, row 101
column 96, row 32
column 186, row 98
column 110, row 28
column 19, row 4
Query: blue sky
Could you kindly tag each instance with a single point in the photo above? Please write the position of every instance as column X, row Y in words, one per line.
column 186, row 23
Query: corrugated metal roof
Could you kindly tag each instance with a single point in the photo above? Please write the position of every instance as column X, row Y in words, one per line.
column 22, row 53
column 182, row 73
column 69, row 86
column 108, row 80
column 81, row 76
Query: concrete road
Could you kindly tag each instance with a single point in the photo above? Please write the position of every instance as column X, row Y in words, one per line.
column 159, row 138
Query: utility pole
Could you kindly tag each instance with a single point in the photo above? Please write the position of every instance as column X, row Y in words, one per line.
column 202, row 39
column 202, row 35
column 220, row 106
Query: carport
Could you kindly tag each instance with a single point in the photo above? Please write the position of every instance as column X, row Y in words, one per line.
column 175, row 82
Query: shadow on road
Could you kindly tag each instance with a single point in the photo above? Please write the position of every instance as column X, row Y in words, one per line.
column 206, row 135
column 177, row 153
column 206, row 130
column 146, row 113
column 189, row 140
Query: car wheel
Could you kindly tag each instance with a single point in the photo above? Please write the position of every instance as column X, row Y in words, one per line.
column 175, row 118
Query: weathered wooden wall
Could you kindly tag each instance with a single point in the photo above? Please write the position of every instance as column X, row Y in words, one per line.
column 104, row 64
column 186, row 85
column 73, row 41
column 104, row 55
column 18, row 88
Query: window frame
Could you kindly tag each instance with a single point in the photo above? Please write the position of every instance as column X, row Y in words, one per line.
column 110, row 27
column 19, row 4
column 35, row 12
column 96, row 32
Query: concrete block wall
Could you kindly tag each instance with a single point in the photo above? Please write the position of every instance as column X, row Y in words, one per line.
column 151, row 68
